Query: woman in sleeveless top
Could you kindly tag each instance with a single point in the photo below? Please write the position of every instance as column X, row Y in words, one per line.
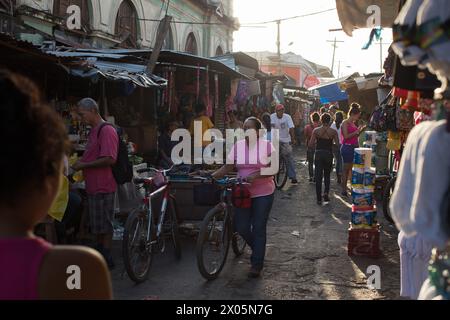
column 324, row 138
column 36, row 140
column 350, row 134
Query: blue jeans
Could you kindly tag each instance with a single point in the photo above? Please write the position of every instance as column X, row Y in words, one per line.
column 251, row 224
column 286, row 152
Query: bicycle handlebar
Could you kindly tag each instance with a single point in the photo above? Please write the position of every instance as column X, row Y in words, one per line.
column 150, row 169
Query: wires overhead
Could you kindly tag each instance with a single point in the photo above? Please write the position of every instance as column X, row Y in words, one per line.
column 290, row 18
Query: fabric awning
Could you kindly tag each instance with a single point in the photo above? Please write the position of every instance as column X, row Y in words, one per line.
column 353, row 13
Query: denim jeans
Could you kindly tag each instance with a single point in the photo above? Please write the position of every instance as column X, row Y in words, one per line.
column 286, row 152
column 324, row 165
column 310, row 160
column 251, row 224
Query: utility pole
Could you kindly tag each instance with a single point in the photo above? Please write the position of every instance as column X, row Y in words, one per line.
column 161, row 34
column 280, row 71
column 335, row 41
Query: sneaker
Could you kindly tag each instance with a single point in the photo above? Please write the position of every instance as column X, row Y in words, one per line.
column 294, row 181
column 326, row 198
column 319, row 202
column 254, row 273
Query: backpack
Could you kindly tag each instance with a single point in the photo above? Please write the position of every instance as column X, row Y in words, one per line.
column 379, row 120
column 123, row 169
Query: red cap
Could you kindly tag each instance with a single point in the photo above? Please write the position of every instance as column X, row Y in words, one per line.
column 279, row 107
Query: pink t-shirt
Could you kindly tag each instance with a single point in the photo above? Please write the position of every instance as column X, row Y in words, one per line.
column 20, row 262
column 249, row 161
column 100, row 180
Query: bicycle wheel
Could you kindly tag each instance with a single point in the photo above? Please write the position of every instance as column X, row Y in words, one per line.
column 282, row 175
column 136, row 250
column 238, row 244
column 213, row 243
column 174, row 228
column 387, row 198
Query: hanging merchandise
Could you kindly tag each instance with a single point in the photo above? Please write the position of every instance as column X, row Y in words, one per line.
column 421, row 38
column 405, row 119
column 242, row 93
column 394, row 141
column 278, row 93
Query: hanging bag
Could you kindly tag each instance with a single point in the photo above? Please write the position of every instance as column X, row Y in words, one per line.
column 241, row 197
column 405, row 119
column 377, row 120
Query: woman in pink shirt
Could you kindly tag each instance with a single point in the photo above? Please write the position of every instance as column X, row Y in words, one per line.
column 249, row 158
column 31, row 268
column 350, row 133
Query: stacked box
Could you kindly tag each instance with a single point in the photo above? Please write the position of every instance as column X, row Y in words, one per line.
column 364, row 231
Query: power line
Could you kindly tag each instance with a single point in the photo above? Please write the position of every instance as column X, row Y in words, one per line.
column 290, row 18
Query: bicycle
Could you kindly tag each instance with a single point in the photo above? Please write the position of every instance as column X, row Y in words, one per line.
column 216, row 231
column 143, row 233
column 389, row 189
column 282, row 175
column 387, row 194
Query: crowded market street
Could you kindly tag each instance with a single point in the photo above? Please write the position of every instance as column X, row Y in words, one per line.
column 312, row 264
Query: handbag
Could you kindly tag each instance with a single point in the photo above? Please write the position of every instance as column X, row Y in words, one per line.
column 390, row 115
column 377, row 120
column 405, row 119
column 241, row 197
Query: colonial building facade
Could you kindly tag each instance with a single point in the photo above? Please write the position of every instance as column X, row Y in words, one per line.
column 200, row 27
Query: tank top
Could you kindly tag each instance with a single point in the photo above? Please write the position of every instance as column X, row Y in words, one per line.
column 354, row 140
column 324, row 142
column 20, row 261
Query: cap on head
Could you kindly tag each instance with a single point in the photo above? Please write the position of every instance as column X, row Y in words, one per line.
column 88, row 104
column 279, row 107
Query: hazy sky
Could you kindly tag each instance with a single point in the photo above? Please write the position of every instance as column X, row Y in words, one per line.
column 309, row 34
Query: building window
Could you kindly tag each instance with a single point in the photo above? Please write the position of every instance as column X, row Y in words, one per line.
column 126, row 25
column 60, row 10
column 168, row 41
column 191, row 44
column 219, row 51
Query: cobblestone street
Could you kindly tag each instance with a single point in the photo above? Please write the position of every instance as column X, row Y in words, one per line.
column 306, row 258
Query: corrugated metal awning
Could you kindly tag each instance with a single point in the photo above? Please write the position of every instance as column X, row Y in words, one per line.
column 121, row 71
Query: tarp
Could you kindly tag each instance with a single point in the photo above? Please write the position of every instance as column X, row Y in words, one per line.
column 353, row 13
column 332, row 93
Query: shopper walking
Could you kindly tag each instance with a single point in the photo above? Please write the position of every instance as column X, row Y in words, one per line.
column 337, row 126
column 323, row 138
column 283, row 122
column 251, row 223
column 310, row 151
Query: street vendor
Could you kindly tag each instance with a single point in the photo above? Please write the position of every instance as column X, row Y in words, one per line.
column 165, row 145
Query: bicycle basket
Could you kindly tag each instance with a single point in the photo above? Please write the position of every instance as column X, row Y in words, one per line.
column 206, row 194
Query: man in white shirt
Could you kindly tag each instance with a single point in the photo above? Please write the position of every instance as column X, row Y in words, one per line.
column 283, row 122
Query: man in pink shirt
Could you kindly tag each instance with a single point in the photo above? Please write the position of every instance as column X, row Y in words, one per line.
column 96, row 163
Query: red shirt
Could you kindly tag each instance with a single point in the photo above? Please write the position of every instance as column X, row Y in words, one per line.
column 100, row 180
column 309, row 130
